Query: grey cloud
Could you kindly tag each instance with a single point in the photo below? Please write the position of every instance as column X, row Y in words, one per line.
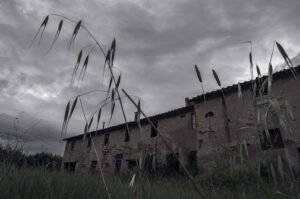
column 3, row 84
column 157, row 47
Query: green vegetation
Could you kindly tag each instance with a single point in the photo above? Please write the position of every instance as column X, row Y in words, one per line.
column 15, row 156
column 40, row 183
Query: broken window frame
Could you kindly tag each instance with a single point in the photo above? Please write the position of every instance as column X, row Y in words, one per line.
column 127, row 137
column 106, row 138
column 94, row 165
column 273, row 141
column 132, row 164
column 208, row 116
column 72, row 145
column 89, row 142
column 70, row 166
column 118, row 163
column 261, row 98
column 172, row 163
column 192, row 162
column 153, row 131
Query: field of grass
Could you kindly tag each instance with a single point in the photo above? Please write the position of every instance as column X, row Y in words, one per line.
column 40, row 183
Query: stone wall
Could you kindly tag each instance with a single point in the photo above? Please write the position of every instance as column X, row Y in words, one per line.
column 229, row 121
column 244, row 127
column 176, row 129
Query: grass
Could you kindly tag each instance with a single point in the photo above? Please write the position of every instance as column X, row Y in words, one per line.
column 29, row 183
column 40, row 183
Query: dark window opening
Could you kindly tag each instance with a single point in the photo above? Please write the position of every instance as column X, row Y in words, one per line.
column 127, row 137
column 131, row 164
column 153, row 131
column 192, row 162
column 182, row 116
column 89, row 142
column 298, row 150
column 118, row 163
column 93, row 166
column 259, row 90
column 106, row 138
column 172, row 163
column 273, row 141
column 70, row 166
column 208, row 117
column 194, row 124
column 148, row 165
column 261, row 95
column 200, row 142
column 118, row 166
column 72, row 145
column 209, row 114
column 119, row 156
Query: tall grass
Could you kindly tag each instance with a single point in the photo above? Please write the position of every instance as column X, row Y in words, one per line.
column 143, row 188
column 113, row 90
column 29, row 183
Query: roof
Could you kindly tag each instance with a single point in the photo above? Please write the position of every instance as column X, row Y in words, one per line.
column 132, row 123
column 286, row 73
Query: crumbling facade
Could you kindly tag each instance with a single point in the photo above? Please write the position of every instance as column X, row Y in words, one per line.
column 197, row 130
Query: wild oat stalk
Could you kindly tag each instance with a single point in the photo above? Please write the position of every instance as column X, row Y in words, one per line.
column 250, row 58
column 251, row 169
column 167, row 145
column 43, row 25
column 287, row 59
column 109, row 61
column 200, row 80
column 57, row 34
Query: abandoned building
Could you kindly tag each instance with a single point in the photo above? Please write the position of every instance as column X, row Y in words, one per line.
column 195, row 129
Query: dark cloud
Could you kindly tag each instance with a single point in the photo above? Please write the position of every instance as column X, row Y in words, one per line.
column 158, row 44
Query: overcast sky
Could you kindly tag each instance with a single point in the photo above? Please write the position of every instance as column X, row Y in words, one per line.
column 158, row 44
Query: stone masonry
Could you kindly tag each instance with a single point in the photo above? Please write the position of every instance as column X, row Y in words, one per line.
column 194, row 132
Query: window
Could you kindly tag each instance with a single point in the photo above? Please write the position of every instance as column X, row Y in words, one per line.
column 192, row 162
column 132, row 164
column 106, row 138
column 192, row 159
column 93, row 166
column 261, row 98
column 208, row 117
column 193, row 120
column 127, row 137
column 89, row 142
column 153, row 131
column 172, row 163
column 119, row 156
column 72, row 145
column 70, row 166
column 209, row 114
column 274, row 141
column 118, row 163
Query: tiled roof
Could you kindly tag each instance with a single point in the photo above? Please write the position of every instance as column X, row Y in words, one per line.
column 143, row 121
column 286, row 73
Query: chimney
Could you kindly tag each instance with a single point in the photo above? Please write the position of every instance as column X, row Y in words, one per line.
column 186, row 101
column 136, row 115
